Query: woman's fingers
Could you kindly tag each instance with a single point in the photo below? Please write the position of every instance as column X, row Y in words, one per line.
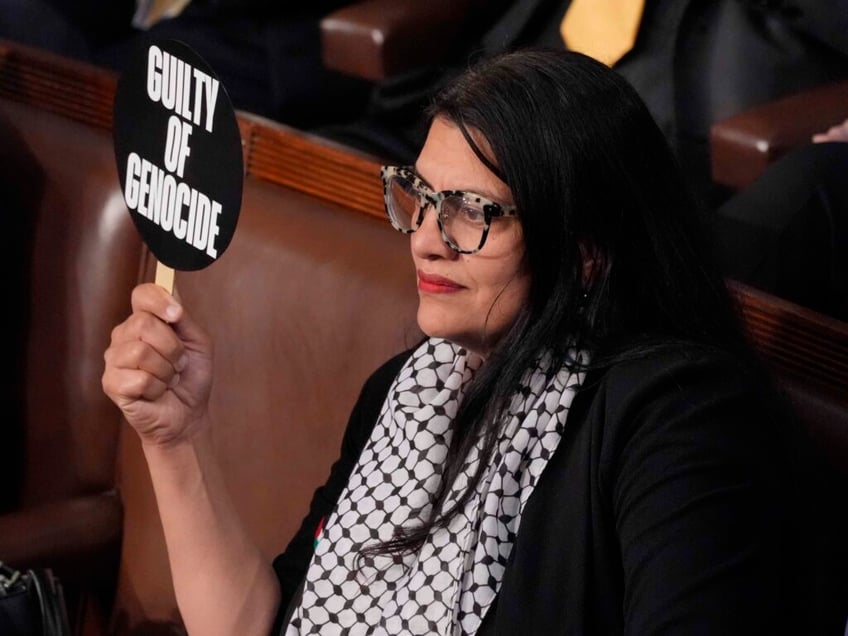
column 145, row 356
column 139, row 355
column 146, row 341
column 129, row 385
column 151, row 298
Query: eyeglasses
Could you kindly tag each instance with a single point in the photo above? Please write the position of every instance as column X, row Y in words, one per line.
column 464, row 218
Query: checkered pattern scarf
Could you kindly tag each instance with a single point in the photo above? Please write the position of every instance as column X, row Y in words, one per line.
column 447, row 586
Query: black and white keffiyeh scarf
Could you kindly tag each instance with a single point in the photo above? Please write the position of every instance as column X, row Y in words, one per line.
column 449, row 584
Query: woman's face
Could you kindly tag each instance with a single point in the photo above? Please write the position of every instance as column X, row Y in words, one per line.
column 469, row 299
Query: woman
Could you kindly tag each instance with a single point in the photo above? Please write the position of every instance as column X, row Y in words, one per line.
column 582, row 444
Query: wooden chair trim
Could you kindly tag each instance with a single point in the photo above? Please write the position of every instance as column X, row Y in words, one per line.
column 273, row 152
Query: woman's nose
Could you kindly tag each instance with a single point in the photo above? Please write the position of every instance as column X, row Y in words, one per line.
column 427, row 240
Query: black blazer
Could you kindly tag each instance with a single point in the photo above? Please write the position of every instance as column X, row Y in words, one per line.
column 694, row 62
column 671, row 506
column 725, row 55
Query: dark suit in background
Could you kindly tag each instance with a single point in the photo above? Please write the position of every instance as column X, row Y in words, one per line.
column 787, row 232
column 267, row 53
column 268, row 56
column 73, row 28
column 698, row 61
column 694, row 62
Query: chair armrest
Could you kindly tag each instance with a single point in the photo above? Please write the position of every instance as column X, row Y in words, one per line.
column 378, row 39
column 742, row 145
column 78, row 538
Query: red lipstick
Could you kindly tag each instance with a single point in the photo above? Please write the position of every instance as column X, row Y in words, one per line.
column 432, row 284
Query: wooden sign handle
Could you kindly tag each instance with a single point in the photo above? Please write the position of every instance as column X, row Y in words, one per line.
column 165, row 277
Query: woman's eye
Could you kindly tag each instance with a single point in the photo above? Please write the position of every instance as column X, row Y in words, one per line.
column 470, row 213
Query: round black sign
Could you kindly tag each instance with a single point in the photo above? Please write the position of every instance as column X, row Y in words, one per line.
column 179, row 156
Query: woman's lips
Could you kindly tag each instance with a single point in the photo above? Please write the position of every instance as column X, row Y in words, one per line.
column 433, row 284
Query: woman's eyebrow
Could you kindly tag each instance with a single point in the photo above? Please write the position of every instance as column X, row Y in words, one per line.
column 483, row 193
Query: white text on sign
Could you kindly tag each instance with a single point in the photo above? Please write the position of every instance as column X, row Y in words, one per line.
column 174, row 83
column 155, row 193
column 158, row 196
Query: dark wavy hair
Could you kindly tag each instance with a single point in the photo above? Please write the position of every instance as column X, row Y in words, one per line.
column 590, row 171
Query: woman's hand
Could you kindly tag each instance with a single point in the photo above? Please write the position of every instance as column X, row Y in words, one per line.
column 159, row 368
column 159, row 372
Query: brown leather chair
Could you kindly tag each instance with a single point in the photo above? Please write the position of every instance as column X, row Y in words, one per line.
column 381, row 39
column 77, row 257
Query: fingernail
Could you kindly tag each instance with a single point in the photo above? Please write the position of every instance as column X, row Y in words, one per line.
column 175, row 380
column 181, row 363
column 171, row 312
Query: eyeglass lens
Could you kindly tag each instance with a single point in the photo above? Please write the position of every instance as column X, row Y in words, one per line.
column 463, row 222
